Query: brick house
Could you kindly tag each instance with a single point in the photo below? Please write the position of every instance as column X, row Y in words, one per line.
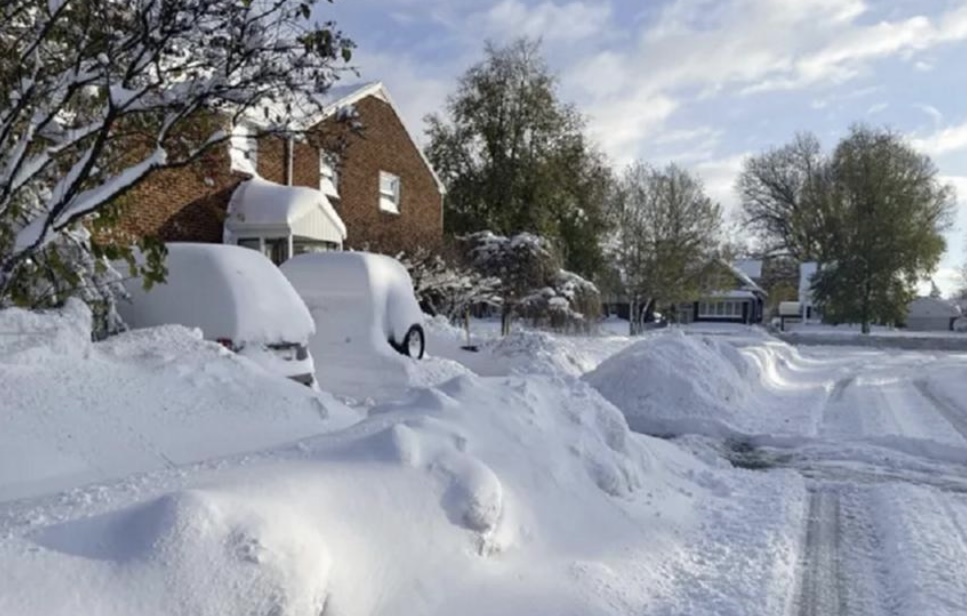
column 380, row 186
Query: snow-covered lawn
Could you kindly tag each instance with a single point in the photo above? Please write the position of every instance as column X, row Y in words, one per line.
column 159, row 474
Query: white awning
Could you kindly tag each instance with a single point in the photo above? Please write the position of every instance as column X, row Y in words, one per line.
column 259, row 208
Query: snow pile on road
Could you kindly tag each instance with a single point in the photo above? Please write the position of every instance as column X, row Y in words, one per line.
column 522, row 350
column 673, row 383
column 75, row 411
column 517, row 495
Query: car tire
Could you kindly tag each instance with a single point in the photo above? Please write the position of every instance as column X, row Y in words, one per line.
column 414, row 343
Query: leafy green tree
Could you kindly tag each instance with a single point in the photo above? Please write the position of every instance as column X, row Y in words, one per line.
column 515, row 159
column 888, row 212
column 667, row 239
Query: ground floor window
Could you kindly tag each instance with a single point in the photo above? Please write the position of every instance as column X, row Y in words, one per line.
column 275, row 248
column 722, row 309
column 302, row 246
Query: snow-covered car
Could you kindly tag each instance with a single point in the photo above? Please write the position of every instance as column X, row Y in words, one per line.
column 236, row 297
column 359, row 300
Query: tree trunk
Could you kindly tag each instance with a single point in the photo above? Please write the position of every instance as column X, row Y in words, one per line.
column 632, row 320
column 865, row 308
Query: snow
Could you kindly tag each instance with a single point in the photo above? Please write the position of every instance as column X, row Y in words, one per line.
column 511, row 480
column 752, row 268
column 462, row 498
column 674, row 383
column 75, row 411
column 360, row 302
column 226, row 291
column 932, row 307
column 260, row 203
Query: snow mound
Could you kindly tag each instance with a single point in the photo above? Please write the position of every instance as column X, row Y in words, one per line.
column 210, row 553
column 74, row 411
column 674, row 383
column 28, row 337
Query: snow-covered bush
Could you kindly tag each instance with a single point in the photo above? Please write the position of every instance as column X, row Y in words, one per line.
column 532, row 283
column 97, row 95
column 445, row 287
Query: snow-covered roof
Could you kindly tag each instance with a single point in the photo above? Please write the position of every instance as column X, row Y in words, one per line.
column 258, row 207
column 747, row 284
column 751, row 267
column 932, row 307
column 732, row 294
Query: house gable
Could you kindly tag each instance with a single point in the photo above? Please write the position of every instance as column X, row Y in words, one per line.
column 385, row 146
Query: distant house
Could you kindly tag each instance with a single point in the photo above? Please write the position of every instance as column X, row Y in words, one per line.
column 807, row 273
column 931, row 314
column 378, row 192
column 741, row 301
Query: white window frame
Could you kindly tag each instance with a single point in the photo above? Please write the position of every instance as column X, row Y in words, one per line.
column 327, row 172
column 389, row 198
column 244, row 144
column 720, row 309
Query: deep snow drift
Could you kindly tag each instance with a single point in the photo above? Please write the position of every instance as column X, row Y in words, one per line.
column 220, row 489
column 73, row 411
column 513, row 495
column 673, row 383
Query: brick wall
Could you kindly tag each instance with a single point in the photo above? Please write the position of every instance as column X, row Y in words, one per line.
column 385, row 146
column 186, row 204
column 189, row 204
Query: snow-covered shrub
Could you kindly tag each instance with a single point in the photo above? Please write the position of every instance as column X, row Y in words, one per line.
column 571, row 304
column 65, row 268
column 532, row 283
column 445, row 287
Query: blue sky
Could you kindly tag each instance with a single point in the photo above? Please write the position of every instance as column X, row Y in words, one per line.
column 700, row 82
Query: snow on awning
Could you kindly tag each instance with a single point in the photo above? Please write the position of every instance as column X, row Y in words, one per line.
column 262, row 208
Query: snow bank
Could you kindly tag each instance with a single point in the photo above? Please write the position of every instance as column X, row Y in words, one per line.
column 515, row 495
column 74, row 411
column 523, row 351
column 673, row 383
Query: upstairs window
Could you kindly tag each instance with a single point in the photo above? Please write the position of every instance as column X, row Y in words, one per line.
column 328, row 176
column 389, row 192
column 244, row 150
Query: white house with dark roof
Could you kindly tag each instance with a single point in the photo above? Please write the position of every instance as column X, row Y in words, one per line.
column 741, row 302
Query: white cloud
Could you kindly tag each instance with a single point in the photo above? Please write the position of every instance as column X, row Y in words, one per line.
column 947, row 280
column 719, row 178
column 550, row 21
column 624, row 123
column 415, row 92
column 923, row 66
column 877, row 108
column 931, row 111
column 944, row 141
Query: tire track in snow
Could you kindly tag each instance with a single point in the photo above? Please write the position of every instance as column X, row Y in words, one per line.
column 821, row 591
column 839, row 388
column 956, row 417
column 944, row 505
